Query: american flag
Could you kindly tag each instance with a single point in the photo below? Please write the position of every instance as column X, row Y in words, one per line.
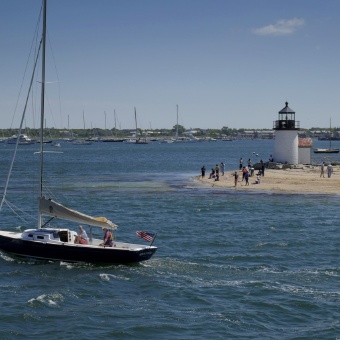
column 145, row 235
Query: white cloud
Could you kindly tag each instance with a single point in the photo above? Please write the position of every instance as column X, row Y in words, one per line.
column 281, row 27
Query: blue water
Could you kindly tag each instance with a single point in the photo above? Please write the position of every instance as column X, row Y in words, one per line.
column 229, row 265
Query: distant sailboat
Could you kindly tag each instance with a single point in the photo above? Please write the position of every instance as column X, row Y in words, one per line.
column 190, row 139
column 329, row 150
column 70, row 133
column 115, row 139
column 171, row 140
column 82, row 141
column 139, row 140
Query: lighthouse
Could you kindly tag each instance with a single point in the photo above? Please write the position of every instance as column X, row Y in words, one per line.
column 286, row 137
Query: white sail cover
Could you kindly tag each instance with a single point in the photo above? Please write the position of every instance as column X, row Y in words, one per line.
column 50, row 208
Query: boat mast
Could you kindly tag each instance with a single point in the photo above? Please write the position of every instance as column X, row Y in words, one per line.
column 136, row 125
column 177, row 125
column 114, row 112
column 330, row 133
column 42, row 106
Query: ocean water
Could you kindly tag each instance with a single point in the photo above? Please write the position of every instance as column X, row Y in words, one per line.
column 229, row 265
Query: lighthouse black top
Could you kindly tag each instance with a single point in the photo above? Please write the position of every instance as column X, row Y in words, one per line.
column 286, row 120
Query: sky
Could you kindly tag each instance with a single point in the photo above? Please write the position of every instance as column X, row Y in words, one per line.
column 223, row 62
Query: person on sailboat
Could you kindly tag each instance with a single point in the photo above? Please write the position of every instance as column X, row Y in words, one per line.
column 81, row 238
column 108, row 238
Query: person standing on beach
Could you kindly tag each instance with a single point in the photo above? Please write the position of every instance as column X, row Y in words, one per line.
column 241, row 163
column 246, row 177
column 235, row 178
column 252, row 169
column 244, row 170
column 222, row 168
column 203, row 171
column 262, row 167
column 329, row 170
column 217, row 169
column 322, row 170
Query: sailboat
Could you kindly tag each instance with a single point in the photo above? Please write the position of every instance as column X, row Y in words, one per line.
column 138, row 139
column 48, row 243
column 113, row 139
column 171, row 140
column 330, row 149
column 186, row 139
column 82, row 141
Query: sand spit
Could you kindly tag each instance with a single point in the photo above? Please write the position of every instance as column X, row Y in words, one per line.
column 298, row 179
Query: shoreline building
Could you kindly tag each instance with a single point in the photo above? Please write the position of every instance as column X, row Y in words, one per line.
column 286, row 137
column 305, row 147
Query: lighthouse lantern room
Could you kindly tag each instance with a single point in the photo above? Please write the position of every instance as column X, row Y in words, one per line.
column 286, row 137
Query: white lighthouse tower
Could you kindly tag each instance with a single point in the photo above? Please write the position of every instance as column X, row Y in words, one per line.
column 286, row 137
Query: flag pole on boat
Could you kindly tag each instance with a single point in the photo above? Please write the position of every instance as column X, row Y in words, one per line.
column 153, row 239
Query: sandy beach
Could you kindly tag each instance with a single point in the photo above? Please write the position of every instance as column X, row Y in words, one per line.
column 299, row 179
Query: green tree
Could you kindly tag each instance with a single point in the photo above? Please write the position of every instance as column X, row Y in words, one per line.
column 181, row 129
column 225, row 130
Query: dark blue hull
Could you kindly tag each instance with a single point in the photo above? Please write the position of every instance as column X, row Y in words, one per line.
column 71, row 253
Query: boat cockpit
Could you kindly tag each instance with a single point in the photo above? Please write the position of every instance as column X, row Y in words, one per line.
column 49, row 235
